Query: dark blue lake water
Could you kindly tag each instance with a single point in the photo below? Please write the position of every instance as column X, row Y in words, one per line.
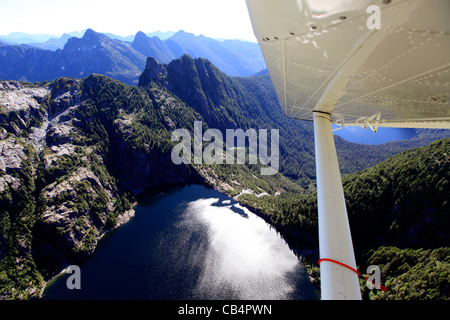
column 367, row 136
column 190, row 243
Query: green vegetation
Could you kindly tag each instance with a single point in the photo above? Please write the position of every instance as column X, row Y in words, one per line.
column 81, row 180
column 120, row 140
column 403, row 201
column 411, row 274
column 18, row 271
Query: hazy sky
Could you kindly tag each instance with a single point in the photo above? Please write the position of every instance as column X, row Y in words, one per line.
column 213, row 18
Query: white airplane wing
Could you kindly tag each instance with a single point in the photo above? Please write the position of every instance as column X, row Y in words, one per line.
column 329, row 55
column 382, row 63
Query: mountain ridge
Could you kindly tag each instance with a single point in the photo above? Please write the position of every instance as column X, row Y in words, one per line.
column 235, row 102
column 122, row 60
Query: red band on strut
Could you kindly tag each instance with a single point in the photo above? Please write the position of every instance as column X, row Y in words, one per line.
column 383, row 288
column 341, row 264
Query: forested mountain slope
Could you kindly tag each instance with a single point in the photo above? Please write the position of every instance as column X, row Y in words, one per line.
column 75, row 153
column 251, row 102
column 399, row 218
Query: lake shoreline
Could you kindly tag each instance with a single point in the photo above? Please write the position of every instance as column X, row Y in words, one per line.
column 155, row 193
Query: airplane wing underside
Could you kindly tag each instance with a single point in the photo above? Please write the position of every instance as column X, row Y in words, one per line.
column 331, row 56
column 354, row 62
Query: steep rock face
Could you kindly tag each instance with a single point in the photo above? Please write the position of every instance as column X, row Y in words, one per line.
column 177, row 72
column 12, row 155
column 200, row 85
column 20, row 108
column 154, row 71
column 143, row 168
column 60, row 186
column 74, row 154
column 97, row 53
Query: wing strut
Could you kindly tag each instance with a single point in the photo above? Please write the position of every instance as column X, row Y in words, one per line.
column 335, row 241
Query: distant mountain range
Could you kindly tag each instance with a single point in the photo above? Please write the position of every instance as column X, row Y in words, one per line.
column 122, row 60
column 26, row 38
column 55, row 42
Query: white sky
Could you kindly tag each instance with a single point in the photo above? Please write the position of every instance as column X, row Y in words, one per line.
column 213, row 18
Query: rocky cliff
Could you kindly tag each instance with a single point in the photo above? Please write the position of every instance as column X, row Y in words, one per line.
column 74, row 153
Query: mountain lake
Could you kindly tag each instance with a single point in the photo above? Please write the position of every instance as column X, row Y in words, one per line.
column 189, row 243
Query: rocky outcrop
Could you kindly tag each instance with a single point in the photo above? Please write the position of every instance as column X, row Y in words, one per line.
column 74, row 155
column 11, row 155
column 200, row 85
column 154, row 71
column 72, row 197
column 141, row 169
